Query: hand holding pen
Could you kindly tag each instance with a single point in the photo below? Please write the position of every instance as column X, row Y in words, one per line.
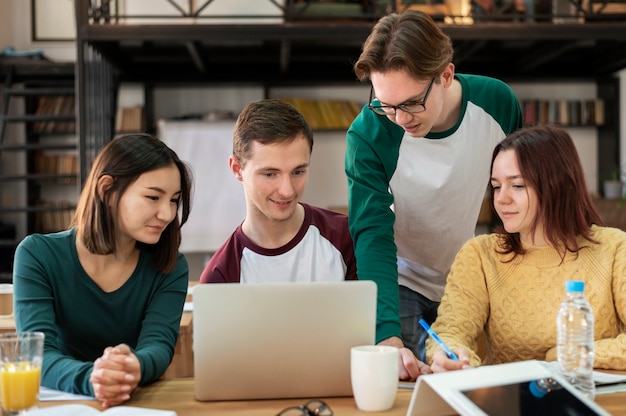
column 438, row 340
column 437, row 365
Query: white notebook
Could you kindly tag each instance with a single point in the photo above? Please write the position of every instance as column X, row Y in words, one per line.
column 84, row 410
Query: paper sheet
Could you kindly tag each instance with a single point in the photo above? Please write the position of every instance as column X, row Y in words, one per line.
column 51, row 395
column 599, row 377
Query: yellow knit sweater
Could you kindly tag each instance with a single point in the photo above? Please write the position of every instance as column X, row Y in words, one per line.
column 516, row 303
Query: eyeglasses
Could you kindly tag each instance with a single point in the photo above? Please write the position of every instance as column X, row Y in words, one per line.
column 310, row 408
column 407, row 107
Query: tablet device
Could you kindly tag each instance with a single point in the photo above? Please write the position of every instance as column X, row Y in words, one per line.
column 525, row 388
column 540, row 397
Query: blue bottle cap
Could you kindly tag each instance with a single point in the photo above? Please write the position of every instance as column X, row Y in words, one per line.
column 537, row 390
column 574, row 286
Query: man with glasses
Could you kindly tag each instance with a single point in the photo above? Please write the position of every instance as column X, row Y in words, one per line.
column 417, row 162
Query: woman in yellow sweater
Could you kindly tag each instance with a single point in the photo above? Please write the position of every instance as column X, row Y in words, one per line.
column 509, row 285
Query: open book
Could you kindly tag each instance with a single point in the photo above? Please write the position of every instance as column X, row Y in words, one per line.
column 84, row 410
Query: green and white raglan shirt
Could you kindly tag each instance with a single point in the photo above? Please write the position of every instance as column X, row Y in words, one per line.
column 413, row 202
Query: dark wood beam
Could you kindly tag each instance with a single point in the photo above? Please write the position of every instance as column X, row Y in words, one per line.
column 549, row 52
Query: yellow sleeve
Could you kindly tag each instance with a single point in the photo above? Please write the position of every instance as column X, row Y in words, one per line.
column 465, row 304
column 610, row 352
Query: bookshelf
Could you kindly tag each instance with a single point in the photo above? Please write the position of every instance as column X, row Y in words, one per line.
column 38, row 147
column 568, row 113
column 589, row 108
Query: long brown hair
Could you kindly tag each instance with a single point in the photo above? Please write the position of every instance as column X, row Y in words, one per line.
column 125, row 158
column 549, row 163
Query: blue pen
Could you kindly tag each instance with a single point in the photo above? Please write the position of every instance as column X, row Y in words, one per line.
column 438, row 340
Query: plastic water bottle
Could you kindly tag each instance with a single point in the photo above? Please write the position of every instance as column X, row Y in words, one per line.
column 575, row 348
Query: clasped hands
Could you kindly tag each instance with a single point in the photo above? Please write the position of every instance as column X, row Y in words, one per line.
column 115, row 375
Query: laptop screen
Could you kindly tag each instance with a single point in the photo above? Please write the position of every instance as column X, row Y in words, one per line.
column 279, row 340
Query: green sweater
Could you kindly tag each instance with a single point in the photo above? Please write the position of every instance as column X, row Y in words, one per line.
column 413, row 202
column 53, row 294
column 516, row 302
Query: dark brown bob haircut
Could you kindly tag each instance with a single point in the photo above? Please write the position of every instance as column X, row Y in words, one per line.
column 549, row 163
column 125, row 158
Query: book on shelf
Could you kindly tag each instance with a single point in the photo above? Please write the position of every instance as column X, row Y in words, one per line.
column 44, row 163
column 57, row 164
column 598, row 112
column 67, row 108
column 587, row 113
column 50, row 106
column 129, row 119
column 574, row 113
column 529, row 108
column 563, row 117
column 51, row 125
column 58, row 218
column 325, row 113
column 85, row 410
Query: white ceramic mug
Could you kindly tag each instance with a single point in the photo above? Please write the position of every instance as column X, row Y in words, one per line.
column 6, row 300
column 374, row 372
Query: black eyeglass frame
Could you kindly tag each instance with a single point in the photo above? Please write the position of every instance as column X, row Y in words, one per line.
column 321, row 407
column 380, row 109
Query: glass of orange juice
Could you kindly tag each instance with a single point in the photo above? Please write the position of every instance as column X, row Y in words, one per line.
column 21, row 355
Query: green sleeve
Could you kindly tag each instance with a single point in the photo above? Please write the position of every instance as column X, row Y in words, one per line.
column 34, row 311
column 372, row 149
column 496, row 98
column 161, row 325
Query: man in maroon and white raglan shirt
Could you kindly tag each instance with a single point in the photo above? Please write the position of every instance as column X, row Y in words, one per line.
column 281, row 239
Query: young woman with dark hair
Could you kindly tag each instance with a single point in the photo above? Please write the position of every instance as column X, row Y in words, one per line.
column 108, row 293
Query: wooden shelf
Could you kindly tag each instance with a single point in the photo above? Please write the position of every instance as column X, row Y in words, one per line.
column 324, row 48
column 45, row 92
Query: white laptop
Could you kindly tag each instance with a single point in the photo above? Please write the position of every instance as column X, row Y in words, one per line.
column 525, row 388
column 279, row 340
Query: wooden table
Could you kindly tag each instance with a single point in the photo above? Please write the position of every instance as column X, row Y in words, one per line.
column 176, row 390
column 182, row 362
column 178, row 395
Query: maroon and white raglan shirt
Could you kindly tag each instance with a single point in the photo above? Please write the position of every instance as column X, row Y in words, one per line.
column 322, row 250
